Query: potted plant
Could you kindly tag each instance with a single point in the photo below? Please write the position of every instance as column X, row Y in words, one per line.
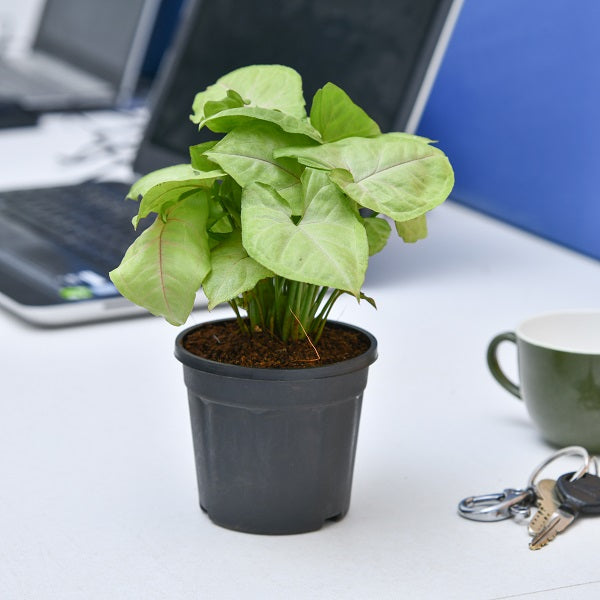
column 278, row 218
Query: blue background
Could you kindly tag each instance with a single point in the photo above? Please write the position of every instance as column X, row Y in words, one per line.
column 516, row 106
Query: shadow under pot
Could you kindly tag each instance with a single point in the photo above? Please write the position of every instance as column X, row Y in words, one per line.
column 275, row 448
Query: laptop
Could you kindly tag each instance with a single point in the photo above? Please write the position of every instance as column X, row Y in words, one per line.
column 86, row 54
column 385, row 53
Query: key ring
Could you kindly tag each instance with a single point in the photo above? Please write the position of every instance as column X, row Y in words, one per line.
column 516, row 502
column 568, row 451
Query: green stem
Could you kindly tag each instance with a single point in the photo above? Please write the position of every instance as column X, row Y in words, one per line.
column 297, row 332
column 318, row 301
column 288, row 309
column 324, row 314
column 288, row 316
column 240, row 321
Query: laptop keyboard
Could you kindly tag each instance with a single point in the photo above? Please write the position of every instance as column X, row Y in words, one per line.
column 92, row 219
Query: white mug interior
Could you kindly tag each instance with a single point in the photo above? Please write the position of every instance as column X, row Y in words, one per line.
column 573, row 331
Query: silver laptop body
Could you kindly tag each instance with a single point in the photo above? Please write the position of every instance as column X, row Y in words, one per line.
column 86, row 54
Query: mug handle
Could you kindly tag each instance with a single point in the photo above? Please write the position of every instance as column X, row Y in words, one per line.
column 494, row 366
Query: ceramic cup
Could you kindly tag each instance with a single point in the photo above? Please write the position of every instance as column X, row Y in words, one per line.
column 559, row 375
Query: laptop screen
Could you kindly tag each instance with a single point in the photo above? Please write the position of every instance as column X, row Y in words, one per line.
column 381, row 52
column 93, row 35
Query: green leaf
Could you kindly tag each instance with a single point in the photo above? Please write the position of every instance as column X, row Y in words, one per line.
column 218, row 220
column 161, row 189
column 378, row 232
column 313, row 181
column 267, row 86
column 368, row 299
column 399, row 175
column 229, row 194
column 236, row 117
column 199, row 160
column 231, row 100
column 336, row 117
column 175, row 173
column 233, row 271
column 328, row 247
column 403, row 136
column 163, row 269
column 246, row 154
column 412, row 230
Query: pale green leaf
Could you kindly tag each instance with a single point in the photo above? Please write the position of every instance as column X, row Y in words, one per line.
column 231, row 100
column 233, row 271
column 165, row 266
column 246, row 154
column 412, row 230
column 313, row 181
column 165, row 187
column 198, row 159
column 368, row 299
column 336, row 117
column 168, row 174
column 227, row 120
column 267, row 86
column 327, row 247
column 401, row 176
column 403, row 136
column 378, row 233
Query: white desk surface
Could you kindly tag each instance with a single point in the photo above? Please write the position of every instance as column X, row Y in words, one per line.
column 97, row 485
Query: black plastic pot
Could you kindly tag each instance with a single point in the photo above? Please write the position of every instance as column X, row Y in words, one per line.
column 274, row 448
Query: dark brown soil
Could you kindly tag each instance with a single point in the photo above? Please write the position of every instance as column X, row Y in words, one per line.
column 224, row 342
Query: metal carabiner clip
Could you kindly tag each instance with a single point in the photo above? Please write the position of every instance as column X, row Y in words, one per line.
column 497, row 507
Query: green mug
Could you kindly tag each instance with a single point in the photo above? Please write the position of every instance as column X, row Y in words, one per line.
column 559, row 375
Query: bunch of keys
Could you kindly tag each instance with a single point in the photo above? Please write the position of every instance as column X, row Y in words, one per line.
column 559, row 502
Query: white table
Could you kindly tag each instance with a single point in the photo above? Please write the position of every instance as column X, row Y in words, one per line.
column 97, row 484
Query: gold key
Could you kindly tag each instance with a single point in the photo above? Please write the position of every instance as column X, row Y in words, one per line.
column 546, row 503
column 559, row 521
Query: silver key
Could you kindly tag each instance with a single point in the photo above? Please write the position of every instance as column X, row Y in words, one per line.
column 546, row 502
column 559, row 521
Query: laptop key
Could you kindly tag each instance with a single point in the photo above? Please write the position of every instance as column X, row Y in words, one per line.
column 92, row 219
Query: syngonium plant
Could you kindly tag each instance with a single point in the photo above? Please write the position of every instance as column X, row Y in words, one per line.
column 268, row 218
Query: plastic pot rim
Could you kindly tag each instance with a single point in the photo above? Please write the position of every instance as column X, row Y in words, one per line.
column 230, row 370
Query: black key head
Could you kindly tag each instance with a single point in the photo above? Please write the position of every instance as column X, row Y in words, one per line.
column 582, row 494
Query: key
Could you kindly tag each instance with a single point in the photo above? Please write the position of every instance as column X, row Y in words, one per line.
column 573, row 497
column 546, row 503
column 559, row 521
column 583, row 493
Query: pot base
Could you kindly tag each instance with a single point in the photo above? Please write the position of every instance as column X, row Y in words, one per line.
column 287, row 530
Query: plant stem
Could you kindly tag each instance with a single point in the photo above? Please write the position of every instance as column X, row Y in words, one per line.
column 240, row 321
column 287, row 309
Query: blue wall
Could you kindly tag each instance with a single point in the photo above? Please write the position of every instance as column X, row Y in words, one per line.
column 516, row 106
